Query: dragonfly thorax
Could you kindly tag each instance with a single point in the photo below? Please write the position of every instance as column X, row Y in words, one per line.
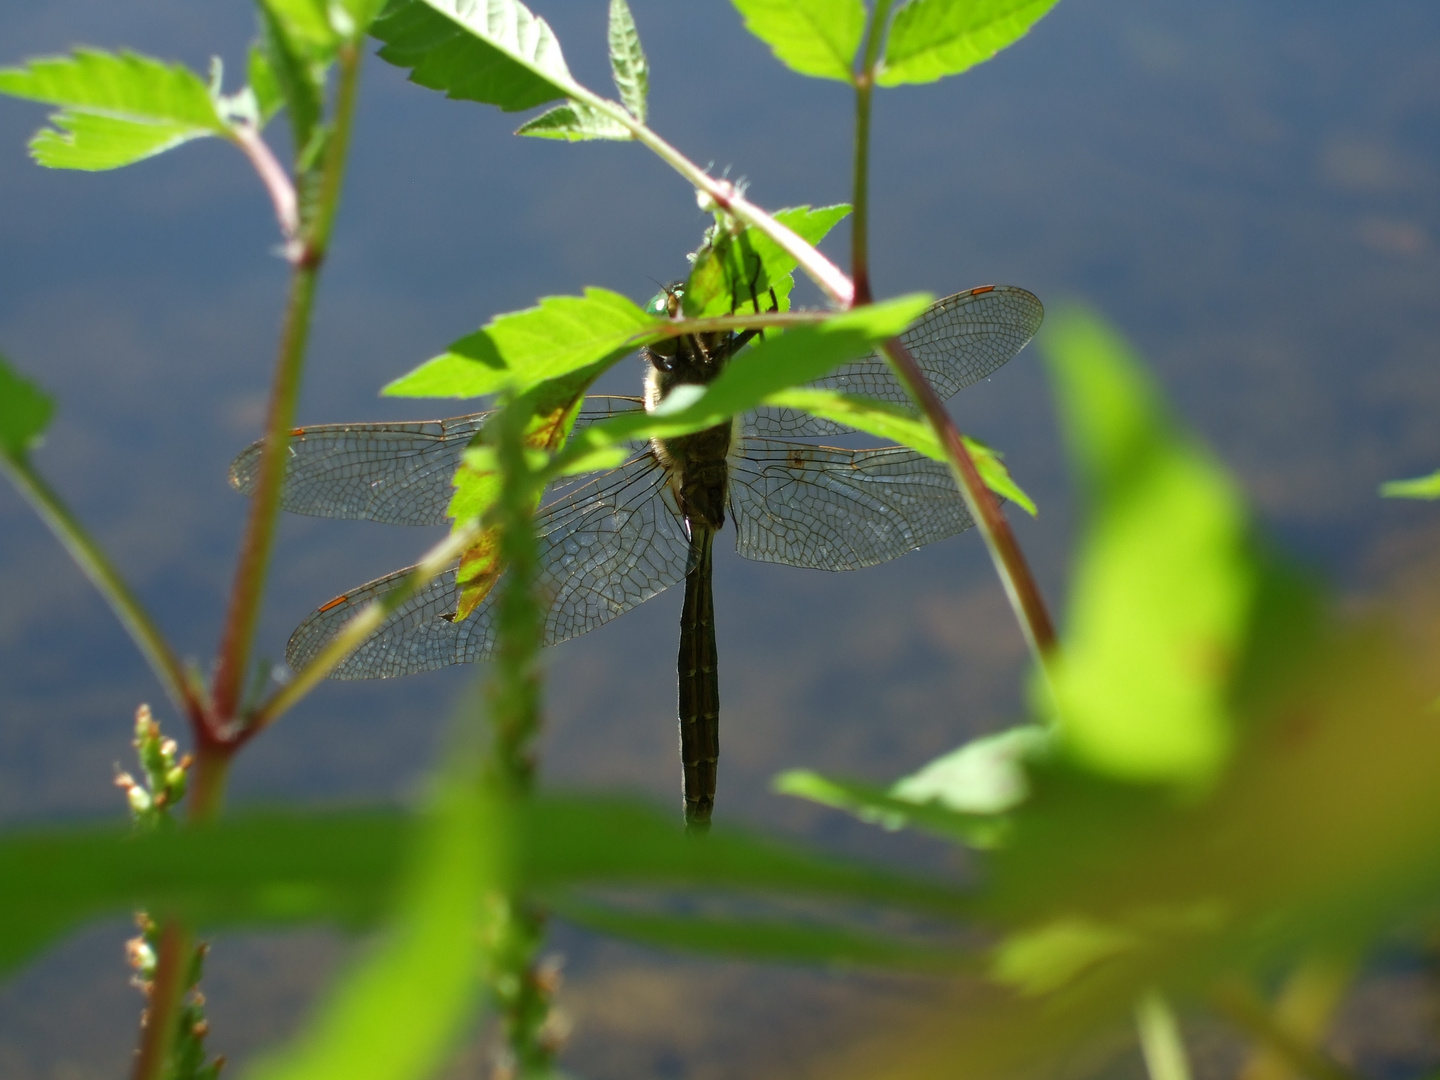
column 698, row 474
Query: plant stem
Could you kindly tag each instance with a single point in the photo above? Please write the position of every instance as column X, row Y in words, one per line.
column 860, row 196
column 520, row 985
column 1160, row 1039
column 103, row 575
column 1020, row 586
column 248, row 588
column 1239, row 1004
column 162, row 1015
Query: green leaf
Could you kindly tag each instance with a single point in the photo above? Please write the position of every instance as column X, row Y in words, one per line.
column 876, row 805
column 800, row 355
column 251, row 870
column 934, row 38
column 525, row 348
column 116, row 108
column 729, row 265
column 1164, row 581
column 985, row 776
column 574, row 122
column 25, row 412
column 628, row 65
column 494, row 51
column 813, row 37
column 299, row 76
column 888, row 421
column 1421, row 487
column 264, row 84
column 400, row 1012
column 768, row 941
column 574, row 841
column 1043, row 959
column 305, row 23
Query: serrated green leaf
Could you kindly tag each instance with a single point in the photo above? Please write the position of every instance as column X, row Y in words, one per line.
column 116, row 109
column 1420, row 487
column 525, row 348
column 574, row 122
column 628, row 65
column 813, row 37
column 493, row 51
column 930, row 39
column 1165, row 578
column 25, row 412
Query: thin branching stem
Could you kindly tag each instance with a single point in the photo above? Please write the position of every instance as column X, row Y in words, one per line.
column 248, row 589
column 103, row 575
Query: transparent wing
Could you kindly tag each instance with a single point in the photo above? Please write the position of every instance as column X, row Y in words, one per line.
column 394, row 473
column 958, row 341
column 828, row 509
column 604, row 548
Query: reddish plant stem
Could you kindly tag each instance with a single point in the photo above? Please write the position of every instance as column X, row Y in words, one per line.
column 247, row 590
column 1020, row 585
column 162, row 1015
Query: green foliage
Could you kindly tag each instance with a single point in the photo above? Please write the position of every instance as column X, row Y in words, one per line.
column 800, row 355
column 628, row 65
column 1164, row 579
column 493, row 51
column 400, row 1011
column 574, row 122
column 735, row 268
column 1420, row 487
column 813, row 37
column 295, row 55
column 931, row 39
column 116, row 108
column 25, row 412
column 518, row 351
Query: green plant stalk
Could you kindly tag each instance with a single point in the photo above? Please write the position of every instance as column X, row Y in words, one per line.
column 248, row 589
column 1239, row 1004
column 521, row 989
column 1160, row 1040
column 97, row 567
column 860, row 201
column 215, row 730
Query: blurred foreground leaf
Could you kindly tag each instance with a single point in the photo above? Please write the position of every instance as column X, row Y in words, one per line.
column 116, row 108
column 1163, row 580
column 1420, row 487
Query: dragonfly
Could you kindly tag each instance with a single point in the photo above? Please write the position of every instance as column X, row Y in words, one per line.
column 609, row 544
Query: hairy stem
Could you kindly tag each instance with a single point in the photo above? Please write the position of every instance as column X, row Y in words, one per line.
column 248, row 588
column 97, row 567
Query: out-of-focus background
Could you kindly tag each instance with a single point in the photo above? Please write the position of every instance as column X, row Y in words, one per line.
column 1251, row 190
